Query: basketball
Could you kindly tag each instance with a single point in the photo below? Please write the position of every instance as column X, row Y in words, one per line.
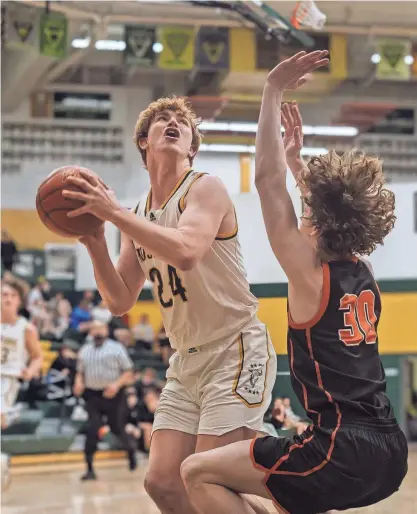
column 52, row 207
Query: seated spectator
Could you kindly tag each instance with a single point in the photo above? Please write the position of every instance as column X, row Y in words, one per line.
column 124, row 336
column 38, row 294
column 66, row 361
column 143, row 333
column 101, row 313
column 89, row 298
column 164, row 345
column 277, row 416
column 80, row 321
column 290, row 414
column 61, row 305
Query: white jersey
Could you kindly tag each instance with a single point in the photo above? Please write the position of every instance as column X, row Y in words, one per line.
column 14, row 355
column 212, row 301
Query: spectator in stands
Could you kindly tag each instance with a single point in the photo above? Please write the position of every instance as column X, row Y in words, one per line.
column 61, row 305
column 9, row 251
column 143, row 333
column 101, row 313
column 147, row 408
column 104, row 370
column 80, row 321
column 39, row 294
column 165, row 348
column 66, row 360
column 89, row 298
column 290, row 414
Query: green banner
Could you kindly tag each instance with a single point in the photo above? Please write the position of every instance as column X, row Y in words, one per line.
column 53, row 35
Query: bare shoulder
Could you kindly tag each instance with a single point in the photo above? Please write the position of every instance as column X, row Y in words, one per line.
column 209, row 183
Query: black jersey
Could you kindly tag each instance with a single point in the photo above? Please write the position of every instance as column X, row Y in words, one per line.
column 336, row 370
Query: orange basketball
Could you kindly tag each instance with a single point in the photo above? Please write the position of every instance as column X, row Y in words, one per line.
column 52, row 207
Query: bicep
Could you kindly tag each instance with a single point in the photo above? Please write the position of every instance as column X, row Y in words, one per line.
column 294, row 251
column 206, row 206
column 129, row 268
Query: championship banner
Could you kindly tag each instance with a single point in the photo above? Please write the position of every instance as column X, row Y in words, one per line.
column 178, row 48
column 20, row 27
column 392, row 52
column 212, row 48
column 53, row 39
column 139, row 42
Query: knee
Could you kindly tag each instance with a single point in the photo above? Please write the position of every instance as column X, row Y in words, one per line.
column 192, row 471
column 162, row 487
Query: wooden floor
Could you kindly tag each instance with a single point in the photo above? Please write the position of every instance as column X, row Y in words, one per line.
column 57, row 490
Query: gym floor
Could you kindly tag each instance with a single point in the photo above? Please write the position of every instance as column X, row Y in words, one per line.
column 56, row 489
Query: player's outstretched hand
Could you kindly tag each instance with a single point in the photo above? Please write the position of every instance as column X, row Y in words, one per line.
column 292, row 73
column 293, row 135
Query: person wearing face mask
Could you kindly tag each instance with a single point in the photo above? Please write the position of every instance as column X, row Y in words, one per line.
column 104, row 370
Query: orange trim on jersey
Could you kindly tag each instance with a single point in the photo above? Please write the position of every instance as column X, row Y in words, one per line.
column 229, row 235
column 325, row 295
column 171, row 194
column 181, row 201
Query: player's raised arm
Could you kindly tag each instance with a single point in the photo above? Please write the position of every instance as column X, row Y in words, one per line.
column 295, row 254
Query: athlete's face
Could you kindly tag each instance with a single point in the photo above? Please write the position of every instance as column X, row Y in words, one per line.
column 170, row 132
column 10, row 299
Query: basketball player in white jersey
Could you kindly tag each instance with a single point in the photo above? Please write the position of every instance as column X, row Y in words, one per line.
column 21, row 355
column 183, row 237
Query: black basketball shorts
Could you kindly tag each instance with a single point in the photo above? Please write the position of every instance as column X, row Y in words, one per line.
column 325, row 469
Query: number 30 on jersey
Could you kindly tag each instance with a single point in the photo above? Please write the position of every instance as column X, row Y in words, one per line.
column 359, row 318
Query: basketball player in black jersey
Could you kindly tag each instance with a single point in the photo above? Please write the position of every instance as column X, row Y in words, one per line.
column 354, row 453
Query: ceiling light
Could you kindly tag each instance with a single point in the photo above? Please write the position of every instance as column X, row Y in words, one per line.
column 251, row 149
column 376, row 58
column 157, row 47
column 80, row 43
column 101, row 44
column 110, row 44
column 225, row 126
column 408, row 59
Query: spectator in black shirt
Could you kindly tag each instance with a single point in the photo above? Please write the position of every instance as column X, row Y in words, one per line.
column 8, row 250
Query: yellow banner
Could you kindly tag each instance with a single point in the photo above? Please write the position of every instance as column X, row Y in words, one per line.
column 392, row 65
column 178, row 48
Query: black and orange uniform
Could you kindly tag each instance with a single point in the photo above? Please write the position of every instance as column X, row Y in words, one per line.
column 354, row 454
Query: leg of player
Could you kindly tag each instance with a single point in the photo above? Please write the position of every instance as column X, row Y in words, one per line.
column 215, row 479
column 163, row 482
column 210, row 442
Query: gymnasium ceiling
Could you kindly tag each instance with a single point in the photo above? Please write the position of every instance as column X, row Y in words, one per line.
column 234, row 96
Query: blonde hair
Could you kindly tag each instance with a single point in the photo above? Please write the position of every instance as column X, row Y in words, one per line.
column 175, row 103
column 350, row 209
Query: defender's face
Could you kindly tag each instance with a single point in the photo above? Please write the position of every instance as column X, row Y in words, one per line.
column 10, row 299
column 170, row 131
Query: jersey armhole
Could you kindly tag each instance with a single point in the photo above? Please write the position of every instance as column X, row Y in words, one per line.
column 324, row 302
column 225, row 236
column 181, row 201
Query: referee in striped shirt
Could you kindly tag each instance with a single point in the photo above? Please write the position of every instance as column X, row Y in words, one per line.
column 104, row 369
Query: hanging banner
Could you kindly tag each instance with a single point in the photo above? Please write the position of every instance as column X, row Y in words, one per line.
column 139, row 42
column 20, row 27
column 178, row 48
column 392, row 65
column 212, row 48
column 53, row 35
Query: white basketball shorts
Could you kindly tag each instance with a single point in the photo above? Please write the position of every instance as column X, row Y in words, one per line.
column 219, row 387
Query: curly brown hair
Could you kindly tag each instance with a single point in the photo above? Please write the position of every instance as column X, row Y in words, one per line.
column 13, row 284
column 175, row 103
column 349, row 207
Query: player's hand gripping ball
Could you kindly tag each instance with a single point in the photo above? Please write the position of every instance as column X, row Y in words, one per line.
column 53, row 207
